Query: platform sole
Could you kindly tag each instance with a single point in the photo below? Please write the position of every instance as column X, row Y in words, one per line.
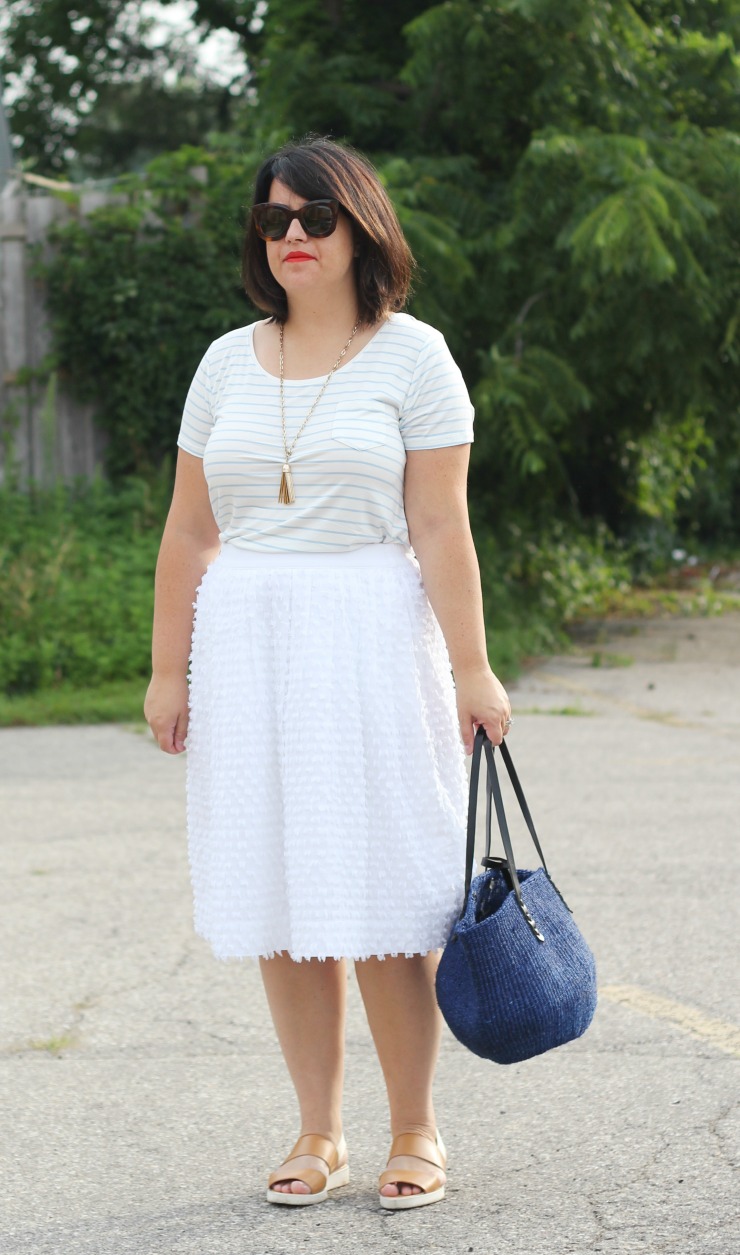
column 402, row 1202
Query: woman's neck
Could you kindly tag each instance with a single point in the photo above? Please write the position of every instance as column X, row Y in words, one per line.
column 310, row 320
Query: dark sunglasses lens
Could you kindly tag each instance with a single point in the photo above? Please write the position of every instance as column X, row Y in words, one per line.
column 319, row 219
column 270, row 221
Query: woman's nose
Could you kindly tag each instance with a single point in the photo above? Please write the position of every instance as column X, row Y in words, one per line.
column 295, row 231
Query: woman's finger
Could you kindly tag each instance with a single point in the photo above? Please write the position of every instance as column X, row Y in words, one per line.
column 181, row 731
column 467, row 732
column 496, row 723
column 166, row 739
column 496, row 728
column 170, row 733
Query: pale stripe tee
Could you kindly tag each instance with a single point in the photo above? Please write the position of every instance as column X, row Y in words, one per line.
column 403, row 390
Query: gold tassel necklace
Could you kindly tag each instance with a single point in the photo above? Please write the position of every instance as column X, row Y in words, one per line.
column 286, row 495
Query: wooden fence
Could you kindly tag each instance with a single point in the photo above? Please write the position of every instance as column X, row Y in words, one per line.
column 45, row 434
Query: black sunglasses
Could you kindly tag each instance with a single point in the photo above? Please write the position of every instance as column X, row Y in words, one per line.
column 317, row 217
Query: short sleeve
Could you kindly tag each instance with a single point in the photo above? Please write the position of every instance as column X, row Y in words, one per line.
column 437, row 410
column 197, row 417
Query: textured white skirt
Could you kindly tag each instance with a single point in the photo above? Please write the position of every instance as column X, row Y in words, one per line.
column 326, row 776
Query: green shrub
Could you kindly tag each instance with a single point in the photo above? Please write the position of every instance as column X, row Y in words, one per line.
column 565, row 573
column 534, row 584
column 77, row 571
column 137, row 292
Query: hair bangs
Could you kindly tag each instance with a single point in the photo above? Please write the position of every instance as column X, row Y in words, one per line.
column 306, row 178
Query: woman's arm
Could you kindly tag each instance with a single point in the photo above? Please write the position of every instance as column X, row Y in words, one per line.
column 435, row 502
column 189, row 543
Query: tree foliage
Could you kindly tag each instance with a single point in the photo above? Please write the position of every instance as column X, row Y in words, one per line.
column 138, row 292
column 92, row 90
column 567, row 172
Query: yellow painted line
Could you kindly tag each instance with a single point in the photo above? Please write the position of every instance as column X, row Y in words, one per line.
column 719, row 1033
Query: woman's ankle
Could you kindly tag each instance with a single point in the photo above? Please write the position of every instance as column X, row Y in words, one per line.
column 331, row 1129
column 424, row 1128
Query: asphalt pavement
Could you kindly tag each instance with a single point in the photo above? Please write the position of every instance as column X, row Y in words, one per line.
column 143, row 1097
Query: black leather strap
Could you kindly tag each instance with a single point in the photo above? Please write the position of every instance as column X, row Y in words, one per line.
column 493, row 788
column 494, row 797
column 473, row 810
column 504, row 751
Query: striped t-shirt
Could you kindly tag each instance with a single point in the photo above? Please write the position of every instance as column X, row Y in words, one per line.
column 401, row 391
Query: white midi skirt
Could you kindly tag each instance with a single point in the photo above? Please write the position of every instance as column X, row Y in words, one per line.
column 326, row 776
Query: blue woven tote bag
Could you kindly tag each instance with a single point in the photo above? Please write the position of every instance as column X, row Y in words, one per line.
column 516, row 977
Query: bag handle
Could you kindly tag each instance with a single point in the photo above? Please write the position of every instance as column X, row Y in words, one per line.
column 504, row 751
column 507, row 865
column 493, row 793
column 481, row 739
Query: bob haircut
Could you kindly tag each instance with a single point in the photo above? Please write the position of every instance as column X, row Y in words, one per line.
column 314, row 168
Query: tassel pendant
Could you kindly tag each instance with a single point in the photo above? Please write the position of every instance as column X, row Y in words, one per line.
column 286, row 496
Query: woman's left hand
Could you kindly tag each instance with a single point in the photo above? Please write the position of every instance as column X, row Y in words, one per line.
column 481, row 698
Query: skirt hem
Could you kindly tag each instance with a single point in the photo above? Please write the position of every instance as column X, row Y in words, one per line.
column 322, row 958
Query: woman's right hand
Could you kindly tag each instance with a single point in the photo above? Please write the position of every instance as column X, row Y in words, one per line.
column 166, row 711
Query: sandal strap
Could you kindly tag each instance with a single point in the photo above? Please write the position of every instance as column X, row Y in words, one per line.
column 315, row 1180
column 418, row 1145
column 316, row 1144
column 308, row 1144
column 426, row 1181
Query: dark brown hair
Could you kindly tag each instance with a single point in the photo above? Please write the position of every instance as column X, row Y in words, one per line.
column 317, row 167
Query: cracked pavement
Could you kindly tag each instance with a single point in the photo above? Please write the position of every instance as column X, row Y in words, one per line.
column 144, row 1099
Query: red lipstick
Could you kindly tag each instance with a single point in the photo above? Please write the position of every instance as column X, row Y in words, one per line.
column 299, row 257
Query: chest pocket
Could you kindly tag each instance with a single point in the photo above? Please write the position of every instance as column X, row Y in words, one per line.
column 363, row 428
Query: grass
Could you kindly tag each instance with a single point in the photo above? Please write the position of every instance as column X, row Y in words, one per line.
column 659, row 602
column 553, row 710
column 118, row 702
column 601, row 658
column 512, row 647
column 54, row 1045
column 510, row 650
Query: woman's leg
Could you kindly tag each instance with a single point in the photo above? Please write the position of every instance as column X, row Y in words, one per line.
column 406, row 1023
column 307, row 1002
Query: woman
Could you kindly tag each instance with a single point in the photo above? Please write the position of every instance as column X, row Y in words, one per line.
column 319, row 529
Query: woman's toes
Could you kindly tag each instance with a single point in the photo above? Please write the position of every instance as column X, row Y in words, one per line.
column 292, row 1187
column 392, row 1191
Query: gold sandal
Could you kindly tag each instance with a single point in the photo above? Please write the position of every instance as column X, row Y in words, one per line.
column 429, row 1181
column 318, row 1182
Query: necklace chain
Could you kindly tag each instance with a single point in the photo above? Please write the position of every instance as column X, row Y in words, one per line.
column 289, row 451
